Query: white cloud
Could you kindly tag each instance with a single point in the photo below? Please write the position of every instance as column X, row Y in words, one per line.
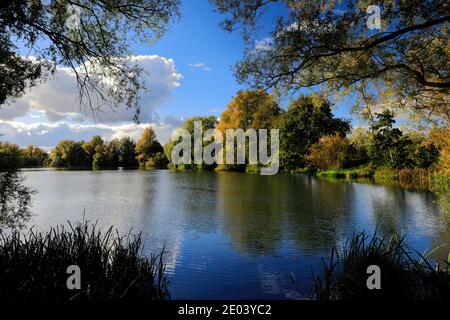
column 58, row 97
column 200, row 66
column 48, row 134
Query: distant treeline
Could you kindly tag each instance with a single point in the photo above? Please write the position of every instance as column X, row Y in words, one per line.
column 311, row 137
column 96, row 153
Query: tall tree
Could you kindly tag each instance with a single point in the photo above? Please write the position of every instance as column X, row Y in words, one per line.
column 91, row 38
column 405, row 62
column 127, row 156
column 389, row 146
column 147, row 147
column 249, row 109
column 306, row 121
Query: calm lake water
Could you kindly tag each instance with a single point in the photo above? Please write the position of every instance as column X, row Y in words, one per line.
column 233, row 235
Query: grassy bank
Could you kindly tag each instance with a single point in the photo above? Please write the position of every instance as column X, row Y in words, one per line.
column 351, row 173
column 407, row 178
column 33, row 266
column 405, row 274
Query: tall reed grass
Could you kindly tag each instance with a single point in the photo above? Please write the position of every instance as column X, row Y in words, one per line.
column 405, row 274
column 33, row 265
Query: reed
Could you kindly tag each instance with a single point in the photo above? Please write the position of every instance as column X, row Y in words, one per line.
column 33, row 265
column 405, row 273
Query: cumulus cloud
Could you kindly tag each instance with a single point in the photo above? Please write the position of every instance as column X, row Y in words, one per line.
column 58, row 97
column 199, row 66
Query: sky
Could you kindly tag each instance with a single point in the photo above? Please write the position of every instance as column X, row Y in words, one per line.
column 189, row 74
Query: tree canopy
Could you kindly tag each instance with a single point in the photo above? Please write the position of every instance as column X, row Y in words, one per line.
column 91, row 38
column 307, row 120
column 254, row 109
column 328, row 43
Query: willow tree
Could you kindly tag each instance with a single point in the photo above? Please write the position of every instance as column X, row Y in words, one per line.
column 403, row 61
column 91, row 38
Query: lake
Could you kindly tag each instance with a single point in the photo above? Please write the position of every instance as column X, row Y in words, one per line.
column 234, row 235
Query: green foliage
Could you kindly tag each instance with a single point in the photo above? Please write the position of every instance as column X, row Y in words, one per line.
column 389, row 147
column 405, row 62
column 159, row 161
column 34, row 157
column 147, row 147
column 208, row 123
column 306, row 121
column 96, row 47
column 426, row 155
column 353, row 173
column 441, row 185
column 33, row 266
column 360, row 142
column 127, row 157
column 403, row 276
column 70, row 154
column 10, row 156
column 15, row 200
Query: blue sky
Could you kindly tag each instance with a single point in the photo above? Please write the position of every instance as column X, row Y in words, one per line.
column 190, row 74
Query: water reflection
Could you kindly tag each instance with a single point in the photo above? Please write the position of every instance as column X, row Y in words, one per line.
column 232, row 235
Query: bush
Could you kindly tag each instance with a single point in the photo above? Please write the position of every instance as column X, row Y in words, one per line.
column 329, row 153
column 33, row 266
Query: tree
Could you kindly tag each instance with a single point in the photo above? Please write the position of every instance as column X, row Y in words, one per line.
column 34, row 156
column 329, row 152
column 91, row 38
column 15, row 197
column 10, row 156
column 147, row 147
column 249, row 109
column 406, row 61
column 389, row 147
column 360, row 141
column 68, row 153
column 306, row 121
column 93, row 146
column 127, row 156
column 207, row 122
column 15, row 200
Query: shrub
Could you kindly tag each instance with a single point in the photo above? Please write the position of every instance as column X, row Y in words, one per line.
column 329, row 153
column 33, row 266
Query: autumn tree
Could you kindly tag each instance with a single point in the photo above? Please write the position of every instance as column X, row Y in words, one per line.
column 404, row 63
column 250, row 109
column 329, row 152
column 147, row 148
column 91, row 38
column 95, row 145
column 34, row 156
column 68, row 153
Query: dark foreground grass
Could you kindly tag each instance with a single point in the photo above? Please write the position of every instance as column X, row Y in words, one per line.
column 34, row 265
column 405, row 274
